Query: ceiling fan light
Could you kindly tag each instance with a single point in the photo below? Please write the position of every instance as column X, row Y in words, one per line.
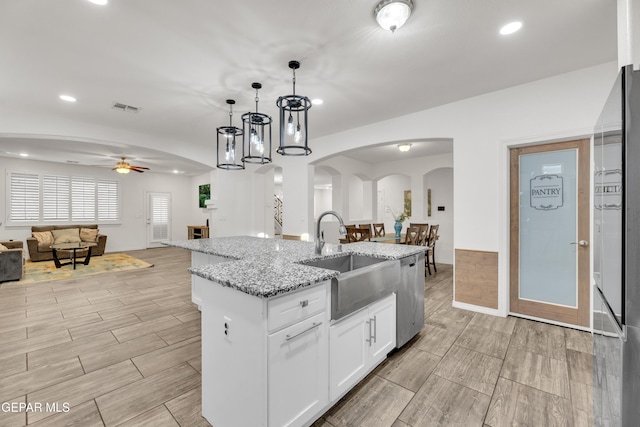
column 122, row 170
column 393, row 14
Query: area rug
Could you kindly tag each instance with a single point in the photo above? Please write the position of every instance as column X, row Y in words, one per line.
column 107, row 263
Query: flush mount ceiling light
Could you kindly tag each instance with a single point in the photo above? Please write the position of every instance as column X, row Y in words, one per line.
column 404, row 147
column 511, row 28
column 256, row 134
column 227, row 145
column 392, row 14
column 293, row 121
column 67, row 98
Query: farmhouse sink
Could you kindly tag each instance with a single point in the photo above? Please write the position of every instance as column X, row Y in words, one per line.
column 362, row 280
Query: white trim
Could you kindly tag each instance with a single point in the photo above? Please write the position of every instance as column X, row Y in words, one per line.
column 477, row 308
column 552, row 322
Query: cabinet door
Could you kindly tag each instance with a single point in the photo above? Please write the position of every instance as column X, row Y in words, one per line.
column 348, row 353
column 298, row 372
column 382, row 314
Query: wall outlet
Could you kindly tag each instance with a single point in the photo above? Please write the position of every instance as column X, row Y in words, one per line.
column 226, row 328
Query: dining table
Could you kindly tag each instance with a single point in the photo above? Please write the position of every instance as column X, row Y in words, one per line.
column 390, row 238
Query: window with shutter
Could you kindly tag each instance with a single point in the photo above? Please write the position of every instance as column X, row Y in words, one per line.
column 24, row 197
column 83, row 199
column 160, row 204
column 108, row 200
column 55, row 198
column 44, row 198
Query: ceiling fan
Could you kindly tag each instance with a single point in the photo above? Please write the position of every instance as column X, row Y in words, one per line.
column 124, row 167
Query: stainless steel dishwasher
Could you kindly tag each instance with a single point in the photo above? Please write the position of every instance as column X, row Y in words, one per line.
column 410, row 299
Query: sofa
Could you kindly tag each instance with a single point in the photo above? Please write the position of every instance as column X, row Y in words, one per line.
column 11, row 260
column 40, row 248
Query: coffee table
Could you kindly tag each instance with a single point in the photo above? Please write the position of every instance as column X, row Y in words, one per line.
column 72, row 247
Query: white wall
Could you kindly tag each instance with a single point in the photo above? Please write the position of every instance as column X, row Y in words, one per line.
column 199, row 215
column 393, row 188
column 131, row 232
column 322, row 201
column 440, row 181
column 482, row 128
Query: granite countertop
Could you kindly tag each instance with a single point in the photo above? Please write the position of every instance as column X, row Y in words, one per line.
column 270, row 267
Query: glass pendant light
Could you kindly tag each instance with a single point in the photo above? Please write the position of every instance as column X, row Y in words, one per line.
column 227, row 144
column 256, row 129
column 293, row 121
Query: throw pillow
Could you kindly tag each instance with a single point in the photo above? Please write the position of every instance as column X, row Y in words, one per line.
column 89, row 234
column 44, row 238
column 3, row 247
column 67, row 235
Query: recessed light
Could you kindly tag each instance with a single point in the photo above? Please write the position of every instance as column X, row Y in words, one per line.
column 24, row 155
column 404, row 147
column 99, row 2
column 67, row 98
column 511, row 28
column 317, row 101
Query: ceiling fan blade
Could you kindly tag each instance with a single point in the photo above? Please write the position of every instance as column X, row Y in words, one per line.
column 140, row 167
column 136, row 170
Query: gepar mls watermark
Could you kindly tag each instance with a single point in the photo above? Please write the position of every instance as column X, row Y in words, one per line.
column 52, row 407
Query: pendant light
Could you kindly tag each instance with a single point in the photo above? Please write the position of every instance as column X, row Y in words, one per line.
column 227, row 145
column 293, row 121
column 256, row 129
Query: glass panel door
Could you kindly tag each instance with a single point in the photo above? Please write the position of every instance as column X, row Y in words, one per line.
column 548, row 227
column 549, row 253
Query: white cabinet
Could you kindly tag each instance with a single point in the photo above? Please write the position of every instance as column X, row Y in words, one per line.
column 278, row 362
column 197, row 259
column 359, row 343
column 265, row 362
column 298, row 372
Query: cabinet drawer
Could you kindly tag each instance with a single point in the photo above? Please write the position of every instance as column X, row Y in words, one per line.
column 291, row 308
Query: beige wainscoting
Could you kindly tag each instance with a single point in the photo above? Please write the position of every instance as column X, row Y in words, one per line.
column 476, row 278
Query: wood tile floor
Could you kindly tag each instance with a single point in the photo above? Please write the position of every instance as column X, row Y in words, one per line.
column 124, row 349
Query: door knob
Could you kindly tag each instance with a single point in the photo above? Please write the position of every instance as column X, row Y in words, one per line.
column 582, row 243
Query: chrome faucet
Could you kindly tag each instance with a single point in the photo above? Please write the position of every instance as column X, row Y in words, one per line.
column 320, row 235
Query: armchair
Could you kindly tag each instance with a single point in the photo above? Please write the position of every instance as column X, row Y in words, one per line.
column 11, row 261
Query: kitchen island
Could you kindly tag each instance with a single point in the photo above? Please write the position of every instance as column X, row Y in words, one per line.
column 272, row 353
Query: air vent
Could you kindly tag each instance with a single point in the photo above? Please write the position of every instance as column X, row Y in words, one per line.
column 125, row 108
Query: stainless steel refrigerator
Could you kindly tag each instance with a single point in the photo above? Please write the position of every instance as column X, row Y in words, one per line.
column 616, row 308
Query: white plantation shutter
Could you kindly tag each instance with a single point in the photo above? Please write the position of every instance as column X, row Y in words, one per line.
column 24, row 197
column 108, row 200
column 159, row 217
column 55, row 198
column 47, row 198
column 83, row 199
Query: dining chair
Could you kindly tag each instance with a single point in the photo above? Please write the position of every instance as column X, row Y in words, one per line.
column 430, row 253
column 368, row 227
column 345, row 238
column 378, row 229
column 411, row 236
column 357, row 234
column 423, row 235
